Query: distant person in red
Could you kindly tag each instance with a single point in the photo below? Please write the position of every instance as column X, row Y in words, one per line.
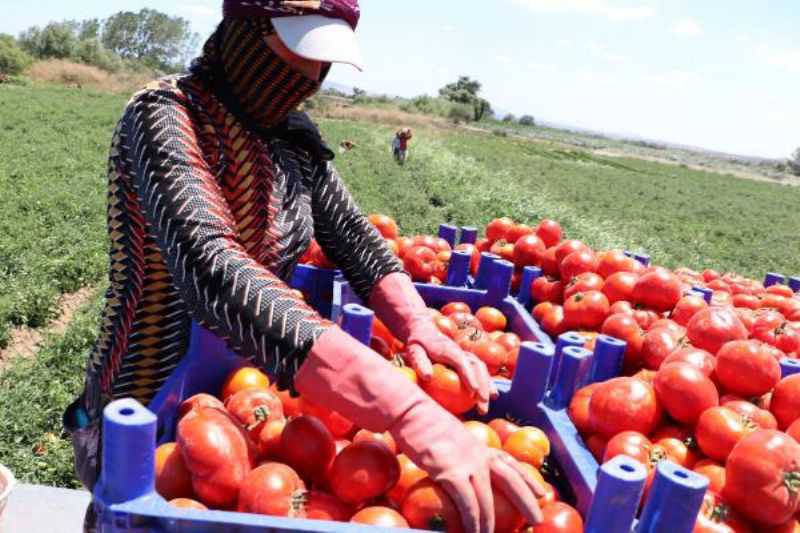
column 400, row 144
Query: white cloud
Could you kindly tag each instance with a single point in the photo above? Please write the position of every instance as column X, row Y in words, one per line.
column 785, row 58
column 504, row 59
column 677, row 77
column 601, row 51
column 687, row 27
column 449, row 28
column 545, row 67
column 602, row 8
column 565, row 43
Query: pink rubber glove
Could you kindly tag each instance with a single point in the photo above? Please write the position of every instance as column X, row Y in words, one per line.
column 398, row 304
column 348, row 377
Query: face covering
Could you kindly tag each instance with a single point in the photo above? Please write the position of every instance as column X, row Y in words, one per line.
column 264, row 86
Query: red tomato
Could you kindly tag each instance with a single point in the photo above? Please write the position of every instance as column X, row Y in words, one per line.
column 420, row 261
column 630, row 443
column 577, row 263
column 578, row 410
column 384, row 438
column 539, row 310
column 659, row 291
column 761, row 417
column 619, row 286
column 197, row 401
column 645, row 318
column 246, row 377
column 565, row 248
column 307, row 446
column 550, row 232
column 506, row 517
column 700, row 359
column 385, row 225
column 492, row 354
column 253, row 408
column 623, row 307
column 528, row 445
column 785, row 404
column 549, row 262
column 710, row 275
column 173, row 479
column 762, row 475
column 596, row 445
column 679, row 444
column 528, row 250
column 716, row 516
column 744, row 368
column 622, row 404
column 446, row 388
column 710, row 328
column 455, row 307
column 503, row 428
column 624, row 327
column 684, row 392
column 403, row 245
column 379, row 516
column 518, row 231
column 794, row 430
column 498, row 229
column 687, row 307
column 559, row 518
column 503, row 249
column 269, row 439
column 271, row 489
column 362, row 471
column 339, row 426
column 547, row 289
column 780, row 290
column 410, row 473
column 657, row 345
column 491, row 319
column 615, row 261
column 783, row 335
column 586, row 310
column 719, row 429
column 427, row 506
column 446, row 325
column 509, row 341
column 588, row 281
column 217, row 452
column 746, row 300
column 715, row 473
column 553, row 321
column 318, row 505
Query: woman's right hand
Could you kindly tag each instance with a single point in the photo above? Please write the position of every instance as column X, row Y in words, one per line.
column 464, row 467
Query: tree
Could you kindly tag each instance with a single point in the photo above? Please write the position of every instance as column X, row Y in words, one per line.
column 13, row 59
column 152, row 37
column 57, row 40
column 509, row 118
column 794, row 162
column 357, row 92
column 465, row 91
column 527, row 120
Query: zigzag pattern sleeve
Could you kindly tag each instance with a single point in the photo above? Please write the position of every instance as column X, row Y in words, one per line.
column 224, row 288
column 347, row 237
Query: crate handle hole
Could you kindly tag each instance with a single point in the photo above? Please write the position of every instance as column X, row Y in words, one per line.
column 627, row 468
column 127, row 411
column 681, row 474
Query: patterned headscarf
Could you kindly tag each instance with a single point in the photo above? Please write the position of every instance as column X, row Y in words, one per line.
column 347, row 10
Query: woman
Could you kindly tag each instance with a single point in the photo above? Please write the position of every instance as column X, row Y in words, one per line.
column 216, row 188
column 400, row 144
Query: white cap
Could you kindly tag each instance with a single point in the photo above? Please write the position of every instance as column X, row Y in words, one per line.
column 319, row 38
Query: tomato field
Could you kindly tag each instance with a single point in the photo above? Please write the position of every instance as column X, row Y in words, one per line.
column 52, row 241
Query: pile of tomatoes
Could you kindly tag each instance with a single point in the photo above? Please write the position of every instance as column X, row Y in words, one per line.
column 255, row 449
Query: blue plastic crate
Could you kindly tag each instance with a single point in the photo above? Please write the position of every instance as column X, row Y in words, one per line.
column 317, row 286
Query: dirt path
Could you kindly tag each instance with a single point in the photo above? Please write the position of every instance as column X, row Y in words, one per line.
column 26, row 341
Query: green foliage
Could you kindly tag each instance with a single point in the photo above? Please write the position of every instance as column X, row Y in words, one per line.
column 52, row 197
column 13, row 59
column 35, row 392
column 509, row 118
column 481, row 109
column 57, row 40
column 154, row 38
column 527, row 120
column 459, row 113
column 465, row 91
column 91, row 52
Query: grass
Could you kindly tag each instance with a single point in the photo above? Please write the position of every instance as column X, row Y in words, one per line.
column 53, row 149
column 52, row 225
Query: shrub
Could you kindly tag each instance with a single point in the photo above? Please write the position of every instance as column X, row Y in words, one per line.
column 13, row 59
column 527, row 120
column 794, row 162
column 91, row 52
column 509, row 118
column 460, row 113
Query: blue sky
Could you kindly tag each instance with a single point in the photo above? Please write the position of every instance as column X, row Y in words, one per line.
column 721, row 74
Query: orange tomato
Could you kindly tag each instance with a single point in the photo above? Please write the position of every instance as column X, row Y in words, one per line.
column 504, row 428
column 385, row 225
column 528, row 445
column 188, row 503
column 484, row 434
column 291, row 406
column 410, row 473
column 491, row 319
column 269, row 439
column 246, row 377
column 446, row 388
column 409, row 373
column 173, row 479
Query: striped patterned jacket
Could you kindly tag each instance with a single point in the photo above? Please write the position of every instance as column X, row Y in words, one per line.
column 207, row 220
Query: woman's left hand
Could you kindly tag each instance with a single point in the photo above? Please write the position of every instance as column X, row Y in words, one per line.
column 427, row 345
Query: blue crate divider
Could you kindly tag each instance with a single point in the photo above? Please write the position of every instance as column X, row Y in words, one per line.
column 469, row 235
column 317, row 284
column 789, row 367
column 449, row 233
column 794, row 283
column 773, row 278
column 529, row 275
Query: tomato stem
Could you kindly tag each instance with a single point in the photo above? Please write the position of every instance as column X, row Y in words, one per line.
column 791, row 481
